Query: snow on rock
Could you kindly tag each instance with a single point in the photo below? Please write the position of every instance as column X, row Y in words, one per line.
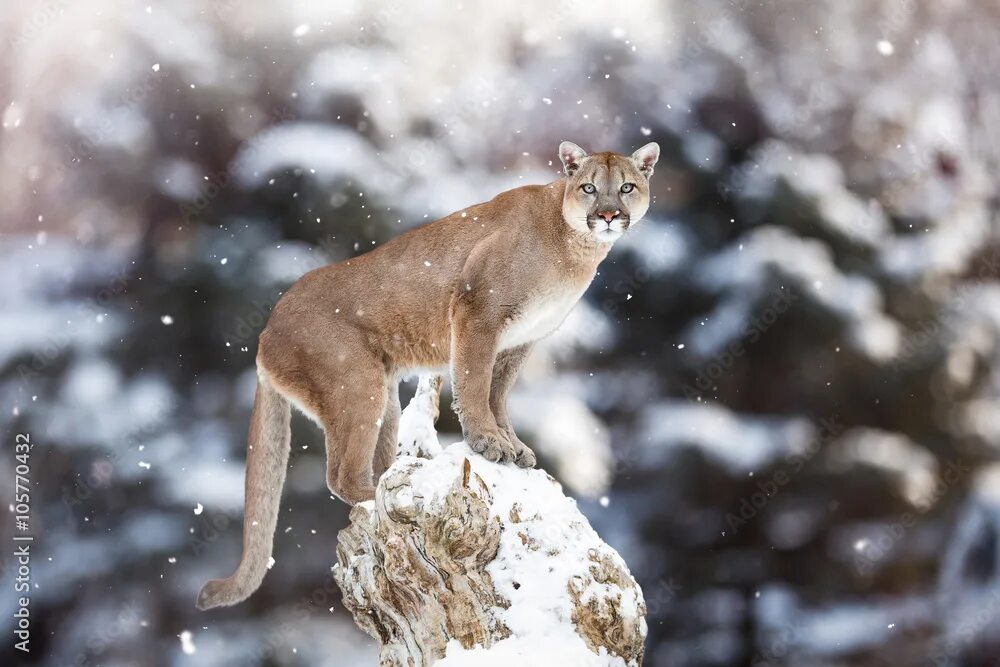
column 561, row 647
column 478, row 563
column 417, row 436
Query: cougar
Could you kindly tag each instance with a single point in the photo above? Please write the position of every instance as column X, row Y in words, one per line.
column 472, row 291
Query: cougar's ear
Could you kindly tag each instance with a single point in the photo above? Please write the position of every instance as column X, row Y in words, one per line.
column 645, row 158
column 571, row 156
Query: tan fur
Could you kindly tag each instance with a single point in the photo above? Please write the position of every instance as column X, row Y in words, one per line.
column 473, row 291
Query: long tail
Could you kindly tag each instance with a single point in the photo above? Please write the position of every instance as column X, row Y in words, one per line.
column 267, row 460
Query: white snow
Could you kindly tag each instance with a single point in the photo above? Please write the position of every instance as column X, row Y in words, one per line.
column 417, row 435
column 771, row 259
column 741, row 443
column 659, row 246
column 187, row 645
column 287, row 262
column 217, row 484
column 534, row 581
column 915, row 468
column 330, row 152
column 559, row 646
column 571, row 435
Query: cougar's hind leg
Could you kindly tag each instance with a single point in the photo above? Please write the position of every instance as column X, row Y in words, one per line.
column 388, row 435
column 352, row 407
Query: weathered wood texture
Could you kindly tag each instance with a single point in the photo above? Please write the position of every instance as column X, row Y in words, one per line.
column 458, row 549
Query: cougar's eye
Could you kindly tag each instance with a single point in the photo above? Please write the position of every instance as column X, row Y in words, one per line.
column 588, row 188
column 628, row 187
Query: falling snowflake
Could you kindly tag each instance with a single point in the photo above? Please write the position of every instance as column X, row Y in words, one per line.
column 186, row 644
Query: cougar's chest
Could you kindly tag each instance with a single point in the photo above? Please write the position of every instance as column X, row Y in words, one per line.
column 540, row 315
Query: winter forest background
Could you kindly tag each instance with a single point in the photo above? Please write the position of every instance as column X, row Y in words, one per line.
column 779, row 400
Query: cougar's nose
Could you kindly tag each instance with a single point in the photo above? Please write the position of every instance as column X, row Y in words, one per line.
column 609, row 215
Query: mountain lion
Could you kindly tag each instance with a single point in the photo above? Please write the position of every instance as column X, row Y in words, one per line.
column 472, row 291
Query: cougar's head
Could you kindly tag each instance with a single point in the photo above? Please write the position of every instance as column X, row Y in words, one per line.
column 606, row 192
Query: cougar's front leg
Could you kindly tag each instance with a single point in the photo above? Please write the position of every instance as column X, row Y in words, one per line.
column 473, row 353
column 508, row 365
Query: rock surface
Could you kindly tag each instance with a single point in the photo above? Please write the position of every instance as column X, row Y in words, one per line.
column 465, row 561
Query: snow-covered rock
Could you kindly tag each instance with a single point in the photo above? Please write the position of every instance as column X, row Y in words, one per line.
column 480, row 563
column 417, row 436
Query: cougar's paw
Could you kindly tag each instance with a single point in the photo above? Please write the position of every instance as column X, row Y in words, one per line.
column 352, row 494
column 353, row 489
column 523, row 456
column 493, row 445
